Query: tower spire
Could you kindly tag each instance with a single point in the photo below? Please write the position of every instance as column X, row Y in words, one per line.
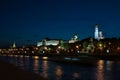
column 14, row 45
column 96, row 33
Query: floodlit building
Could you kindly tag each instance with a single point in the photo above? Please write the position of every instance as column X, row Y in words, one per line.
column 48, row 42
column 14, row 45
column 101, row 35
column 98, row 34
column 74, row 39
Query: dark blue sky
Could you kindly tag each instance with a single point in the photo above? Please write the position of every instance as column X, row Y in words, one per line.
column 32, row 20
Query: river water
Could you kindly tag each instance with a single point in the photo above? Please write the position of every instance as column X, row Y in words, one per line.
column 102, row 70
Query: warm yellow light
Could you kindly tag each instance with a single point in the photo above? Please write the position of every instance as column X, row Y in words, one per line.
column 45, row 58
column 59, row 47
column 118, row 48
column 100, row 64
column 36, row 48
column 27, row 48
column 45, row 48
column 100, row 45
column 36, row 57
column 109, row 43
column 77, row 46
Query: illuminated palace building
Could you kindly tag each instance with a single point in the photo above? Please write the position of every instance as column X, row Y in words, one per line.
column 48, row 42
column 98, row 34
column 55, row 42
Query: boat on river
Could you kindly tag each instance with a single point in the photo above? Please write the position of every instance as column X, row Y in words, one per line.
column 75, row 59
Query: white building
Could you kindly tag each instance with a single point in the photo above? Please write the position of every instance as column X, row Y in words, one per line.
column 98, row 34
column 101, row 35
column 14, row 45
column 48, row 42
column 74, row 39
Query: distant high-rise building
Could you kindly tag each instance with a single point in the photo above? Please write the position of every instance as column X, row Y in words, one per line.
column 96, row 34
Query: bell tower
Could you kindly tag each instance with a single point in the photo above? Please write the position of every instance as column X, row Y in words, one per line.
column 96, row 33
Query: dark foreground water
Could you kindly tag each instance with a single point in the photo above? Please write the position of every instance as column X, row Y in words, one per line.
column 102, row 70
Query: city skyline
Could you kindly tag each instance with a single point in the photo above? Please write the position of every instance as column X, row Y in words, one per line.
column 24, row 21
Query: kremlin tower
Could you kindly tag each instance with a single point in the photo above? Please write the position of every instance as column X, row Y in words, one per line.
column 98, row 34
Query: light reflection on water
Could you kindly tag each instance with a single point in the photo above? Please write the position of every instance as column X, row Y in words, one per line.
column 36, row 66
column 109, row 65
column 100, row 70
column 103, row 70
column 58, row 72
column 44, row 72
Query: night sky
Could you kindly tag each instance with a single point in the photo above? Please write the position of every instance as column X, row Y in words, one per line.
column 29, row 21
